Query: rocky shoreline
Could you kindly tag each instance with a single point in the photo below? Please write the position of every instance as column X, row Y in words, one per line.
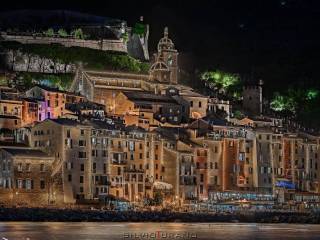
column 81, row 215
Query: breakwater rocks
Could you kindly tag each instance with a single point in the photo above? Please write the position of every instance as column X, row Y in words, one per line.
column 77, row 215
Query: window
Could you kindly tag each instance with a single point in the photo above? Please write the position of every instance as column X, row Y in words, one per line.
column 29, row 184
column 42, row 184
column 156, row 157
column 81, row 132
column 28, row 167
column 191, row 103
column 241, row 156
column 82, row 143
column 69, row 165
column 81, row 179
column 140, row 146
column 42, row 167
column 82, row 167
column 68, row 133
column 201, row 189
column 140, row 155
column 19, row 183
column 81, row 189
column 69, row 177
column 104, row 153
column 82, row 154
column 201, row 178
column 215, row 165
column 19, row 167
column 199, row 104
column 215, row 179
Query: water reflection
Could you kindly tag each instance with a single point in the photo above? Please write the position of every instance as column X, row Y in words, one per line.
column 114, row 231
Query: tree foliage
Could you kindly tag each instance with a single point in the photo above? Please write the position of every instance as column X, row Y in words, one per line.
column 295, row 101
column 62, row 33
column 223, row 82
column 49, row 32
column 77, row 33
column 61, row 81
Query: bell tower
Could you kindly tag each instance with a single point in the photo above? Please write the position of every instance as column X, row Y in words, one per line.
column 167, row 55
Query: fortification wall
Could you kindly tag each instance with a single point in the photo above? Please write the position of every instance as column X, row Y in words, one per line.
column 105, row 45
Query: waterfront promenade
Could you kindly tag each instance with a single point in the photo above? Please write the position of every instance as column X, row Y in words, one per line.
column 94, row 215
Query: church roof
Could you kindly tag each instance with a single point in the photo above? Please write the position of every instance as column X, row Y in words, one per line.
column 159, row 66
column 165, row 43
column 148, row 97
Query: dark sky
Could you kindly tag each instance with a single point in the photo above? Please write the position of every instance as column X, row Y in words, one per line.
column 276, row 40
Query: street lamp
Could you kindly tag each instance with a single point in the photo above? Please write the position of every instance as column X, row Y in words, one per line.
column 136, row 201
column 16, row 197
column 178, row 202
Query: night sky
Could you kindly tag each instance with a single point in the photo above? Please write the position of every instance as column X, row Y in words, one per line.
column 275, row 40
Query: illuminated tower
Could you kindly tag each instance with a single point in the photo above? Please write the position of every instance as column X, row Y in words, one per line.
column 252, row 98
column 166, row 60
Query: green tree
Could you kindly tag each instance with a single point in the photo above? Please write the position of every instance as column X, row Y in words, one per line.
column 78, row 33
column 49, row 32
column 62, row 32
column 223, row 82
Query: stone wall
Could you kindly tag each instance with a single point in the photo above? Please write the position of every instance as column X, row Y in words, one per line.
column 13, row 197
column 105, row 44
column 17, row 61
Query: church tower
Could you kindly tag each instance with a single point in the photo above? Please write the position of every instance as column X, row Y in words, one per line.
column 165, row 68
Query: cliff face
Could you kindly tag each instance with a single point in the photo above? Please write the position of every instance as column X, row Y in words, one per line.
column 20, row 62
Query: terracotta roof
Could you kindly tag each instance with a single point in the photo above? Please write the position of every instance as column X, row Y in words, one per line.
column 149, row 97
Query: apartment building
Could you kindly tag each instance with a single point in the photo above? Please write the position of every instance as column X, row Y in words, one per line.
column 25, row 176
column 149, row 109
column 69, row 142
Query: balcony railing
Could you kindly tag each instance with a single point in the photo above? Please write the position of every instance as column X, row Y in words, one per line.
column 119, row 162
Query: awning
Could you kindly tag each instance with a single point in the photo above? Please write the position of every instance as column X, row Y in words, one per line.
column 162, row 185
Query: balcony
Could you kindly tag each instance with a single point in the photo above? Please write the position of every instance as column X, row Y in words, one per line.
column 118, row 162
column 188, row 180
column 102, row 181
column 133, row 170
